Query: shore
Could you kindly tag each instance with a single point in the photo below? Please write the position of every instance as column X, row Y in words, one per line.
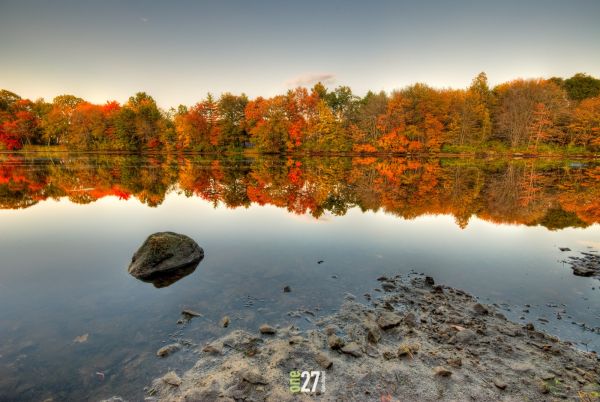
column 416, row 341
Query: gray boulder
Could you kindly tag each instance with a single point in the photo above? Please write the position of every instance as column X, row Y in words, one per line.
column 164, row 255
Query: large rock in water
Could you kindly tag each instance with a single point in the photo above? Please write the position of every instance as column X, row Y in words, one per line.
column 165, row 257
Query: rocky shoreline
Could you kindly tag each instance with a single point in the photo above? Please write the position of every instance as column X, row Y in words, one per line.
column 587, row 264
column 418, row 341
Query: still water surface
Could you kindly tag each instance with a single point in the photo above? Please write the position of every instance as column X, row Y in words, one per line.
column 74, row 325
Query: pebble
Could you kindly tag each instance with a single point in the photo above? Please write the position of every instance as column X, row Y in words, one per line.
column 254, row 378
column 499, row 383
column 323, row 360
column 335, row 342
column 167, row 350
column 388, row 320
column 191, row 313
column 172, row 378
column 267, row 329
column 353, row 349
column 373, row 332
column 211, row 349
column 225, row 321
column 480, row 309
column 465, row 336
column 442, row 371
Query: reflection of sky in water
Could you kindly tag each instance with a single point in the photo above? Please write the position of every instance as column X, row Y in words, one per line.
column 63, row 274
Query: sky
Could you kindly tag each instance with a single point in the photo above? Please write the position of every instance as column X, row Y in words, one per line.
column 178, row 51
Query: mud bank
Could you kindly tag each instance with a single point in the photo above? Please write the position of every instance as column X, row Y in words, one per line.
column 417, row 341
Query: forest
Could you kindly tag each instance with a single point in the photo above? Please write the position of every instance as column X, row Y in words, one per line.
column 525, row 115
column 552, row 193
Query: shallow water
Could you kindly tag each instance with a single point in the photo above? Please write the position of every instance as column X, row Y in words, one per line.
column 70, row 225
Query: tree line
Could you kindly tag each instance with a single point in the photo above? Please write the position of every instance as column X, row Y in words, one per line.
column 528, row 115
column 549, row 192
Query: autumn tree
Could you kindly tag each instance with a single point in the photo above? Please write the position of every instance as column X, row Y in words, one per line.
column 56, row 122
column 585, row 127
column 540, row 126
column 515, row 108
column 326, row 133
column 198, row 128
column 364, row 129
column 232, row 128
column 475, row 120
column 268, row 123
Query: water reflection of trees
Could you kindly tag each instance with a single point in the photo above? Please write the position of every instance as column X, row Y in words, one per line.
column 555, row 194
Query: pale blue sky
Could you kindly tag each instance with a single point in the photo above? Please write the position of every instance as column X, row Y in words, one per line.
column 178, row 51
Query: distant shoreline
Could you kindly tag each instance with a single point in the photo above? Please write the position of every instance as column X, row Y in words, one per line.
column 478, row 155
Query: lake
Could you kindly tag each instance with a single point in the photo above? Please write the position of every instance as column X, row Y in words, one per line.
column 74, row 325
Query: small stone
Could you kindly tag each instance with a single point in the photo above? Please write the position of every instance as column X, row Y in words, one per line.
column 297, row 339
column 480, row 309
column 267, row 329
column 499, row 383
column 353, row 349
column 388, row 320
column 335, row 342
column 172, row 378
column 564, row 249
column 190, row 313
column 529, row 327
column 210, row 348
column 437, row 289
column 167, row 350
column 465, row 336
column 373, row 332
column 323, row 360
column 81, row 338
column 429, row 281
column 410, row 319
column 455, row 362
column 522, row 367
column 547, row 376
column 330, row 329
column 225, row 321
column 388, row 286
column 287, row 289
column 389, row 355
column 408, row 349
column 254, row 378
column 442, row 371
column 371, row 351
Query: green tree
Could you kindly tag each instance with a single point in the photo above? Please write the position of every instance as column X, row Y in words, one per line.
column 582, row 86
column 232, row 130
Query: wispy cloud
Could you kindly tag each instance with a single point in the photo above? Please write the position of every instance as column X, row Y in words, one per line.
column 310, row 79
column 144, row 19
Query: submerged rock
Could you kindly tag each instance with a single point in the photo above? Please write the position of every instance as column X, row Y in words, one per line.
column 164, row 258
column 267, row 329
column 167, row 350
